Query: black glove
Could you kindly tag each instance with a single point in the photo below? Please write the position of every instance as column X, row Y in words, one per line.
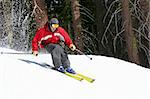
column 62, row 44
column 61, row 41
column 35, row 53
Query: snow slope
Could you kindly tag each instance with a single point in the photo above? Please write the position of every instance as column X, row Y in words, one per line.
column 23, row 77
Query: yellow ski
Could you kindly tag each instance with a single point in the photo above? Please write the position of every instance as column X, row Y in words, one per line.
column 75, row 76
column 91, row 80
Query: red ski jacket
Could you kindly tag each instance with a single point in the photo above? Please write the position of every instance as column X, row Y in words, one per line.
column 44, row 36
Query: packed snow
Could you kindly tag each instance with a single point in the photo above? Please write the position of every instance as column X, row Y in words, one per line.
column 22, row 76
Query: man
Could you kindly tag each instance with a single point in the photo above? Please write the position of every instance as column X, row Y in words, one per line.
column 53, row 38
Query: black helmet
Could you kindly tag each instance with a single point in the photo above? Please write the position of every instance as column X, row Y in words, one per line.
column 53, row 21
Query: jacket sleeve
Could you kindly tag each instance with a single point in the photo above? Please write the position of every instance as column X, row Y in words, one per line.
column 67, row 38
column 35, row 41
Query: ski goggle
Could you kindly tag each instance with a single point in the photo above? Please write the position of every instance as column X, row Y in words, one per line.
column 55, row 25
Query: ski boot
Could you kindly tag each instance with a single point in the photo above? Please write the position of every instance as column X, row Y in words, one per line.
column 61, row 69
column 70, row 70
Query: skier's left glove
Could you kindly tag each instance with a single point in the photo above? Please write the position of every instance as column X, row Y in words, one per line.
column 72, row 47
column 35, row 53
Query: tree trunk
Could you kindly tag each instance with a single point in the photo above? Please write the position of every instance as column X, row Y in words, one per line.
column 131, row 43
column 77, row 24
column 40, row 12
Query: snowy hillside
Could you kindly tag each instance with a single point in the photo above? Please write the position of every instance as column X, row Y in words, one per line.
column 23, row 77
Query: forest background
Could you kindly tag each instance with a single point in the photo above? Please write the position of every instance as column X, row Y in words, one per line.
column 113, row 28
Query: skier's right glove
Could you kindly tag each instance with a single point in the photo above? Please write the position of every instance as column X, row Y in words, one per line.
column 35, row 53
column 72, row 47
column 62, row 44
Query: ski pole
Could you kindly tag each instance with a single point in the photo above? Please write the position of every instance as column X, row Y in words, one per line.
column 83, row 53
column 13, row 53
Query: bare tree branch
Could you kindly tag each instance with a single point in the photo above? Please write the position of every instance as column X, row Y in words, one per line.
column 110, row 21
column 115, row 39
column 109, row 9
column 36, row 7
column 134, row 29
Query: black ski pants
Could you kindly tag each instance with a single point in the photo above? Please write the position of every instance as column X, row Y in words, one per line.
column 59, row 55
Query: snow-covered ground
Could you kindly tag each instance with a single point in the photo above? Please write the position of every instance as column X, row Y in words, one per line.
column 22, row 77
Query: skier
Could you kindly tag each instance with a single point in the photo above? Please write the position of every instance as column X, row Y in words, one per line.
column 53, row 38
